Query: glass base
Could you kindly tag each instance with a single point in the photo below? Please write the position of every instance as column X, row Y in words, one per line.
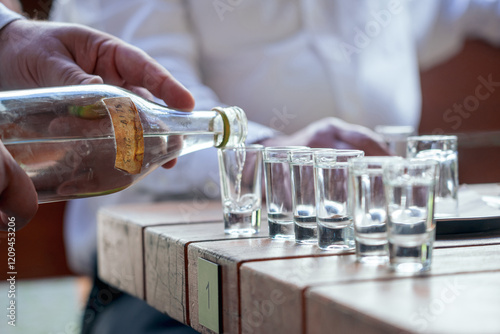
column 241, row 231
column 337, row 247
column 338, row 239
column 281, row 230
column 373, row 259
column 306, row 235
column 244, row 223
column 410, row 267
column 372, row 251
column 306, row 242
column 411, row 258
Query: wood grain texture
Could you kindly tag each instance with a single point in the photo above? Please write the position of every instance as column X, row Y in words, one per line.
column 166, row 272
column 230, row 254
column 120, row 237
column 466, row 303
column 291, row 278
column 154, row 249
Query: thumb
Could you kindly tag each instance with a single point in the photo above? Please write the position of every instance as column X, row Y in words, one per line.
column 18, row 197
column 91, row 79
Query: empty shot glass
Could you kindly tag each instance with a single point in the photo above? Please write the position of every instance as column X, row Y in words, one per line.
column 369, row 208
column 279, row 191
column 395, row 137
column 303, row 195
column 443, row 149
column 410, row 188
column 333, row 209
column 241, row 188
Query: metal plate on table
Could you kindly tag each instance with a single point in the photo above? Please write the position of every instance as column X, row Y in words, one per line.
column 479, row 211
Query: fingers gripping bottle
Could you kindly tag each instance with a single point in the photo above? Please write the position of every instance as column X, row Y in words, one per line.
column 90, row 140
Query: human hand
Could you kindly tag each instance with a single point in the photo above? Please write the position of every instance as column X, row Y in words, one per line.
column 332, row 132
column 18, row 198
column 42, row 54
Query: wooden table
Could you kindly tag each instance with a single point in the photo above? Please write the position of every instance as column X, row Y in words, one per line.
column 177, row 258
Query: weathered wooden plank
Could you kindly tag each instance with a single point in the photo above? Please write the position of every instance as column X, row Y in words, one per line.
column 230, row 254
column 165, row 248
column 466, row 303
column 120, row 237
column 125, row 232
column 263, row 282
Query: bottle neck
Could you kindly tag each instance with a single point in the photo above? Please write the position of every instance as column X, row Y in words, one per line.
column 227, row 125
column 235, row 126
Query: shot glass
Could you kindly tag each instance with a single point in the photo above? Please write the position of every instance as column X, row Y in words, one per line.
column 369, row 207
column 443, row 149
column 333, row 209
column 303, row 195
column 395, row 137
column 241, row 188
column 279, row 192
column 410, row 189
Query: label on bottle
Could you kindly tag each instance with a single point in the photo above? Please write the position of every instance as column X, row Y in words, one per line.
column 128, row 134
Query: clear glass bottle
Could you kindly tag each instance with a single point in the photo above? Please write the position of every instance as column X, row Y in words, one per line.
column 90, row 140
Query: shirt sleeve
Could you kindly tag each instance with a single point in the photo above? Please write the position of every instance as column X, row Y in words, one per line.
column 441, row 27
column 7, row 16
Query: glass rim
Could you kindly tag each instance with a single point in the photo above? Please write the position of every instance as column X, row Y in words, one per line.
column 415, row 162
column 336, row 151
column 335, row 158
column 305, row 151
column 246, row 147
column 310, row 149
column 283, row 148
column 375, row 159
column 434, row 138
column 279, row 153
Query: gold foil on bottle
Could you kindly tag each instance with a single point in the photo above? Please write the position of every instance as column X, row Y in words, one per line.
column 128, row 134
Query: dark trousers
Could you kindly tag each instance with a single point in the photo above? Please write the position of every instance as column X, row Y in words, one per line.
column 111, row 311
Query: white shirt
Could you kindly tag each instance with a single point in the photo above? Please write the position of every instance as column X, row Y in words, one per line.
column 7, row 16
column 287, row 63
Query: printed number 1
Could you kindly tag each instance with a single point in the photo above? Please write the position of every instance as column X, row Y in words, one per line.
column 208, row 291
column 208, row 295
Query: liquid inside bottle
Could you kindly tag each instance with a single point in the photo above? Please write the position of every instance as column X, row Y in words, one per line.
column 82, row 141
